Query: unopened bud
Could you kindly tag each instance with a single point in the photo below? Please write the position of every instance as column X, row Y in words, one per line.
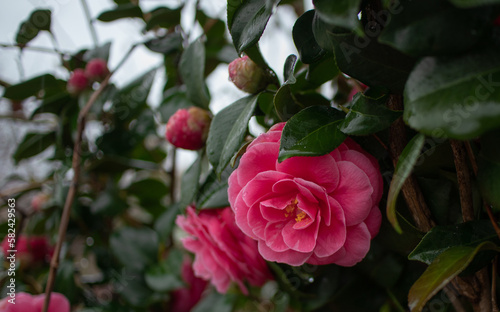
column 247, row 75
column 188, row 128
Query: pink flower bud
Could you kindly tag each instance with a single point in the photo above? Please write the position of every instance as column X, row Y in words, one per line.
column 77, row 82
column 247, row 75
column 30, row 250
column 188, row 128
column 96, row 70
column 38, row 201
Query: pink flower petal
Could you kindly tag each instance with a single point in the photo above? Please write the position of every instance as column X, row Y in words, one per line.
column 321, row 170
column 261, row 187
column 259, row 158
column 331, row 237
column 256, row 221
column 290, row 257
column 303, row 240
column 357, row 245
column 373, row 221
column 371, row 169
column 354, row 193
column 274, row 236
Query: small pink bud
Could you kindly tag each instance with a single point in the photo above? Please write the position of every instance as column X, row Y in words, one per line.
column 247, row 75
column 77, row 82
column 38, row 201
column 96, row 70
column 188, row 128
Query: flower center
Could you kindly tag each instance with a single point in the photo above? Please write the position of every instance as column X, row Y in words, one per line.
column 292, row 208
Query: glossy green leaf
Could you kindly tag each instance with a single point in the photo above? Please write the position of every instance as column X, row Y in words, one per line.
column 456, row 97
column 303, row 37
column 248, row 20
column 404, row 167
column 441, row 238
column 322, row 71
column 441, row 271
column 132, row 287
column 166, row 275
column 128, row 10
column 343, row 13
column 213, row 191
column 167, row 44
column 54, row 104
column 372, row 63
column 367, row 116
column 149, row 191
column 131, row 99
column 33, row 144
column 285, row 104
column 312, row 132
column 30, row 87
column 190, row 183
column 65, row 280
column 192, row 69
column 289, row 69
column 227, row 131
column 164, row 17
column 41, row 19
column 489, row 181
column 473, row 3
column 135, row 248
column 435, row 28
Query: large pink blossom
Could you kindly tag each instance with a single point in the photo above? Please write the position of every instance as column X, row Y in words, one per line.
column 24, row 302
column 318, row 210
column 223, row 254
column 184, row 299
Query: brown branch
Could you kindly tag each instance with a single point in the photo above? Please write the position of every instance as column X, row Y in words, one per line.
column 411, row 190
column 464, row 180
column 54, row 264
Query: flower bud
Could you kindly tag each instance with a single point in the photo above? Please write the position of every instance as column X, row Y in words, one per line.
column 96, row 70
column 247, row 75
column 39, row 201
column 77, row 82
column 188, row 128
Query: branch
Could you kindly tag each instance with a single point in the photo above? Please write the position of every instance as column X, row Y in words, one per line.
column 411, row 190
column 74, row 183
column 463, row 177
column 93, row 32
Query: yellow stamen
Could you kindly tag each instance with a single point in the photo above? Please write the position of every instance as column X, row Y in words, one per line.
column 291, row 207
column 300, row 216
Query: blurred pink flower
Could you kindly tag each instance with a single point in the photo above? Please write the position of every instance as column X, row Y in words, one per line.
column 222, row 252
column 186, row 298
column 318, row 210
column 30, row 249
column 25, row 302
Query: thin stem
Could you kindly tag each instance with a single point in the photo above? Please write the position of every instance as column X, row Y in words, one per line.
column 463, row 178
column 31, row 48
column 93, row 32
column 15, row 190
column 54, row 264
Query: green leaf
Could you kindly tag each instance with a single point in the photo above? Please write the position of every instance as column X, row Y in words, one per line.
column 488, row 178
column 247, row 22
column 404, row 167
column 108, row 202
column 166, row 275
column 33, row 144
column 456, row 97
column 304, row 40
column 227, row 131
column 367, row 116
column 167, row 44
column 131, row 100
column 321, row 71
column 30, row 87
column 435, row 28
column 164, row 17
column 473, row 3
column 192, row 69
column 41, row 19
column 150, row 192
column 215, row 302
column 65, row 280
column 213, row 191
column 122, row 11
column 343, row 13
column 441, row 238
column 289, row 69
column 441, row 271
column 132, row 287
column 54, row 104
column 311, row 132
column 372, row 63
column 26, row 33
column 164, row 224
column 190, row 184
column 135, row 248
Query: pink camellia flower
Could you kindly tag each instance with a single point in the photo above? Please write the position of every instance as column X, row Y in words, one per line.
column 30, row 250
column 318, row 210
column 184, row 299
column 25, row 302
column 96, row 69
column 188, row 128
column 77, row 82
column 247, row 75
column 222, row 252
